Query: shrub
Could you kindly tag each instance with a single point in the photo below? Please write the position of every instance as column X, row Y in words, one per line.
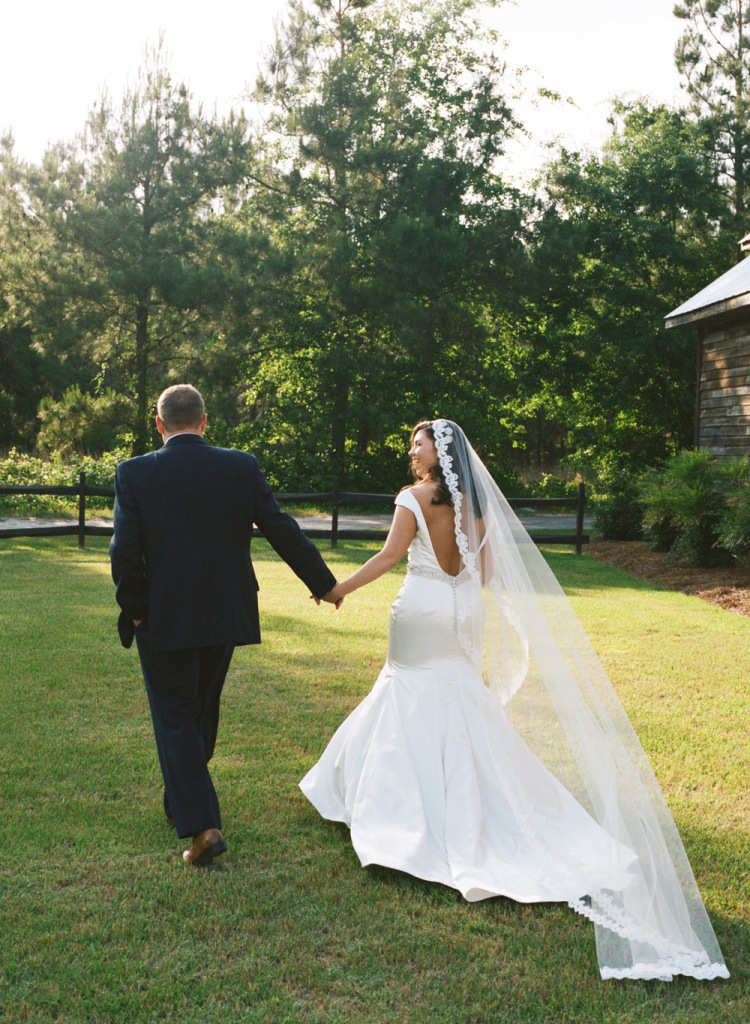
column 619, row 514
column 549, row 486
column 656, row 494
column 734, row 527
column 688, row 501
column 57, row 471
column 80, row 423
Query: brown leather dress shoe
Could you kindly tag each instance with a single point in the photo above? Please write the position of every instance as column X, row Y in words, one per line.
column 207, row 846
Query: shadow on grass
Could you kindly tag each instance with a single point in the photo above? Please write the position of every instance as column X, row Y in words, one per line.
column 552, row 927
column 578, row 573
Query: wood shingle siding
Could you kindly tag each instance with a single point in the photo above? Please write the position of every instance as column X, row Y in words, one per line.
column 721, row 313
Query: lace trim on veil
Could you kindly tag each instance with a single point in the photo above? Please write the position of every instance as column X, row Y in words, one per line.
column 443, row 437
column 504, row 689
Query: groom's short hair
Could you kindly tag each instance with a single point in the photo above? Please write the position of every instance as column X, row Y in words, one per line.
column 180, row 407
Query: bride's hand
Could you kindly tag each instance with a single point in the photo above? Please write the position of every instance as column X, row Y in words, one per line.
column 333, row 597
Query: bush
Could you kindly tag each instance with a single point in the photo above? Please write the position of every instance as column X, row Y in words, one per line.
column 80, row 423
column 619, row 514
column 689, row 506
column 656, row 494
column 57, row 471
column 549, row 486
column 734, row 527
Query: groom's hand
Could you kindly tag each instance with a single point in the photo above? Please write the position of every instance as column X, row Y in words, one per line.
column 332, row 597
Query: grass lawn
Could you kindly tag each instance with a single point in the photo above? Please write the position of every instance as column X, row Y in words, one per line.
column 101, row 922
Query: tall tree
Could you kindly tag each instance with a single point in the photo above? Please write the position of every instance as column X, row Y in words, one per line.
column 713, row 55
column 140, row 258
column 26, row 374
column 383, row 123
column 621, row 239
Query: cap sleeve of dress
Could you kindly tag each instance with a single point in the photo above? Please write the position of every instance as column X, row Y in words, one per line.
column 407, row 499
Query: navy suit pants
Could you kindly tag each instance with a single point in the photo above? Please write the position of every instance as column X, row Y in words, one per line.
column 184, row 690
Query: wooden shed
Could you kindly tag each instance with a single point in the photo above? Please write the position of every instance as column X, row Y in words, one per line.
column 721, row 313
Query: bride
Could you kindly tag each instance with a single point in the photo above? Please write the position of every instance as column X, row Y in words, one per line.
column 492, row 754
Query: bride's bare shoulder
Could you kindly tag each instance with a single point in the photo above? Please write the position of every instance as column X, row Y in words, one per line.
column 424, row 493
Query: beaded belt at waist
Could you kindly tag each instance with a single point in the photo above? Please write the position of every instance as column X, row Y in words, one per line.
column 438, row 574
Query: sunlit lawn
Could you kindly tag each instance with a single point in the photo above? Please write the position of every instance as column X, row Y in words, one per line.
column 101, row 922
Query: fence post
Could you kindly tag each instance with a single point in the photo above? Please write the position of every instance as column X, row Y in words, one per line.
column 335, row 512
column 82, row 510
column 579, row 517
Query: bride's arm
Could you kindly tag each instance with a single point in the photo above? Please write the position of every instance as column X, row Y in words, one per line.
column 400, row 536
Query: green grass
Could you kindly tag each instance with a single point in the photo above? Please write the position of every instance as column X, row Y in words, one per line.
column 101, row 922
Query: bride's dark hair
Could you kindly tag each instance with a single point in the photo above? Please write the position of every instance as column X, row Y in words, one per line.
column 442, row 494
column 456, row 448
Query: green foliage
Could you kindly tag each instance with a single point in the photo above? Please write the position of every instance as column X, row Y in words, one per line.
column 130, row 263
column 734, row 526
column 549, row 485
column 363, row 262
column 622, row 238
column 393, row 234
column 80, row 422
column 25, row 376
column 287, row 421
column 687, row 506
column 59, row 470
column 713, row 55
column 618, row 515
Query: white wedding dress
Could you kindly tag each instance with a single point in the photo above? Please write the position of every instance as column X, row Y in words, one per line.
column 432, row 779
column 493, row 755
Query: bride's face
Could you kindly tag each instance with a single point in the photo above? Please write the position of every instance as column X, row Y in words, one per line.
column 423, row 454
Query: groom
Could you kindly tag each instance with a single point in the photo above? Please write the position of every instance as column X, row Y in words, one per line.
column 181, row 564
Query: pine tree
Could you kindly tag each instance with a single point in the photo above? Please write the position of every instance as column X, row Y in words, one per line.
column 384, row 122
column 130, row 265
column 713, row 55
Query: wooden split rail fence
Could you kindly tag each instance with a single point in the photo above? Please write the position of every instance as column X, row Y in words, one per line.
column 334, row 498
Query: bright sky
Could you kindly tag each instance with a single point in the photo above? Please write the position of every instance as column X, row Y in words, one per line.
column 55, row 58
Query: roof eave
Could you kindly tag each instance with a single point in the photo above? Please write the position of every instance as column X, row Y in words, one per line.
column 716, row 309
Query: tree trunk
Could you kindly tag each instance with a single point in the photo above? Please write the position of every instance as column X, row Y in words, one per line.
column 142, row 431
column 739, row 186
column 339, row 420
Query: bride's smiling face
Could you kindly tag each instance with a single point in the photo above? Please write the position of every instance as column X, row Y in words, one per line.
column 423, row 454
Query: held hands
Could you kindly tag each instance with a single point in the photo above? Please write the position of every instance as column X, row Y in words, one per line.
column 333, row 597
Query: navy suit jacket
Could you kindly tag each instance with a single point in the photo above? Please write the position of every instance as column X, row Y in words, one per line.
column 180, row 552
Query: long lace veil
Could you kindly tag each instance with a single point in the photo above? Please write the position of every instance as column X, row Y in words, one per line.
column 535, row 656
